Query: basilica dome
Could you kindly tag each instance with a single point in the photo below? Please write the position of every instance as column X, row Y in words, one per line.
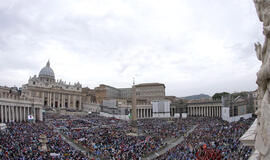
column 46, row 72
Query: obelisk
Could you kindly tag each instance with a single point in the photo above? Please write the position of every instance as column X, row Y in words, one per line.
column 134, row 110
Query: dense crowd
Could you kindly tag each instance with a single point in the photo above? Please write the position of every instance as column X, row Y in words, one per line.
column 21, row 141
column 213, row 139
column 109, row 138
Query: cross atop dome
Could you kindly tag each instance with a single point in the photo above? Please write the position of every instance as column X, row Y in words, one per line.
column 48, row 63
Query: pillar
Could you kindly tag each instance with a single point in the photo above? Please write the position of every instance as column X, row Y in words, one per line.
column 59, row 100
column 34, row 114
column 16, row 113
column 40, row 114
column 21, row 114
column 9, row 116
column 13, row 114
column 6, row 116
column 54, row 100
column 49, row 99
column 80, row 104
column 74, row 99
column 2, row 113
column 68, row 101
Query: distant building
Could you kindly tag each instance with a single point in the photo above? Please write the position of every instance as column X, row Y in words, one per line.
column 150, row 91
column 237, row 105
column 145, row 92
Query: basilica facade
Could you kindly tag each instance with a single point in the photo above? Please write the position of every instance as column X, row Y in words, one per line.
column 55, row 94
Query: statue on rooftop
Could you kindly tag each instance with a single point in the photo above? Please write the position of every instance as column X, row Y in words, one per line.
column 262, row 143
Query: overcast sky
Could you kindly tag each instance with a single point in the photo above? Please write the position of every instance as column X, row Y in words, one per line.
column 192, row 46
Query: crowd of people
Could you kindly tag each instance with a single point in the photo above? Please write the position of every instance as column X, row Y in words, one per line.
column 213, row 138
column 22, row 141
column 109, row 138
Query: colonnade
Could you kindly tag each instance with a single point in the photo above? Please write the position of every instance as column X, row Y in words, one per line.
column 145, row 113
column 10, row 113
column 205, row 111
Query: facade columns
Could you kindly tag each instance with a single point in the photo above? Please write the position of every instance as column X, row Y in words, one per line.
column 54, row 100
column 80, row 104
column 43, row 97
column 62, row 100
column 68, row 101
column 49, row 99
column 58, row 101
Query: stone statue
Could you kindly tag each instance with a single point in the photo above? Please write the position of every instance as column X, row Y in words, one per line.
column 262, row 143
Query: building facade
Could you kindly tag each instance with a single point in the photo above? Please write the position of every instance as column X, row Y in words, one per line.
column 55, row 94
column 145, row 92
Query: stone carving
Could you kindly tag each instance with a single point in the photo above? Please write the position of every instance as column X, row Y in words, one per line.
column 262, row 142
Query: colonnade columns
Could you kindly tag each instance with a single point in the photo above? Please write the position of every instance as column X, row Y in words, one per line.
column 145, row 113
column 6, row 114
column 21, row 114
column 218, row 111
column 2, row 113
column 9, row 114
column 12, row 114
